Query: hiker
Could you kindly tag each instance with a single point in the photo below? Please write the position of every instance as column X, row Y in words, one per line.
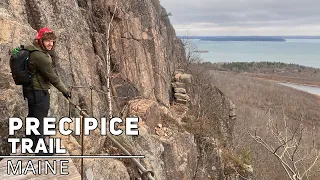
column 40, row 65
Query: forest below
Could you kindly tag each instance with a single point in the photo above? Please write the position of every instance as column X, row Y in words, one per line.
column 259, row 102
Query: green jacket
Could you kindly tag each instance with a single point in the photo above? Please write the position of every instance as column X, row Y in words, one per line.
column 40, row 64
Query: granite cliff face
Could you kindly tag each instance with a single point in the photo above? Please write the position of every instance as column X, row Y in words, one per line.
column 145, row 52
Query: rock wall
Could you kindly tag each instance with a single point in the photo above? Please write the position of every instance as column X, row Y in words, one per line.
column 144, row 54
column 144, row 49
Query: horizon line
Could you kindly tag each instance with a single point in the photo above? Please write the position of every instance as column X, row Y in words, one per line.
column 254, row 35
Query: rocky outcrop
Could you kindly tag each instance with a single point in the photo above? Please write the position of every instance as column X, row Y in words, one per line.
column 145, row 52
column 181, row 81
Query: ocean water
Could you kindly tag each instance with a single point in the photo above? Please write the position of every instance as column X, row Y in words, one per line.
column 309, row 89
column 304, row 52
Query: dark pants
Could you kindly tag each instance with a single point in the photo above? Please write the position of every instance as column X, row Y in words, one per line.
column 38, row 107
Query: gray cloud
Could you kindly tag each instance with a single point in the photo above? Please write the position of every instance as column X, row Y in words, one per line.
column 280, row 17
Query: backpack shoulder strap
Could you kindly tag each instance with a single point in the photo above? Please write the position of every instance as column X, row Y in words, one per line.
column 23, row 47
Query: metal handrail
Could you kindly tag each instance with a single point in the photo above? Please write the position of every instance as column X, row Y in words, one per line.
column 149, row 174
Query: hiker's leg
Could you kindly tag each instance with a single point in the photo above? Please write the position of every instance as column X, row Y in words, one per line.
column 41, row 109
column 38, row 104
column 30, row 95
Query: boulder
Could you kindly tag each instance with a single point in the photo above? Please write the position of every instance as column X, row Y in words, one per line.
column 178, row 85
column 180, row 90
column 186, row 78
column 181, row 96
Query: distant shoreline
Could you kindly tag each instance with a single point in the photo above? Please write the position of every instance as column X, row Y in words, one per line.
column 243, row 39
column 201, row 51
column 275, row 71
column 291, row 80
column 248, row 38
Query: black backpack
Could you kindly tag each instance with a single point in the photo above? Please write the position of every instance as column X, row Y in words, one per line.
column 19, row 61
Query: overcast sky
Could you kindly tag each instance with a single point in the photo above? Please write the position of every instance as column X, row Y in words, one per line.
column 244, row 17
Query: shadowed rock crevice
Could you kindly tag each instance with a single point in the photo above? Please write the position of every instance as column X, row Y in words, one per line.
column 83, row 4
column 33, row 14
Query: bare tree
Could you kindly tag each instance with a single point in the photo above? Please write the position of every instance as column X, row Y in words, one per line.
column 108, row 63
column 192, row 56
column 296, row 159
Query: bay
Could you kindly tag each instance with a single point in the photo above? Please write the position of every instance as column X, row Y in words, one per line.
column 304, row 52
column 309, row 89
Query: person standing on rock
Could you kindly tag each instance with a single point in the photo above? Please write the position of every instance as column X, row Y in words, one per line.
column 41, row 66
